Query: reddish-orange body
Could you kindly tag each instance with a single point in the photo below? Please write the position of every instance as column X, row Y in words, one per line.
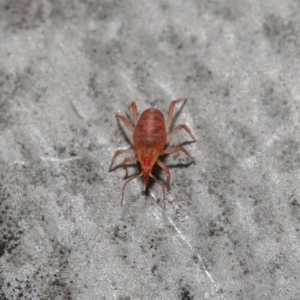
column 150, row 137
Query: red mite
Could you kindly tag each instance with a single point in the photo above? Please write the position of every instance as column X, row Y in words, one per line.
column 150, row 137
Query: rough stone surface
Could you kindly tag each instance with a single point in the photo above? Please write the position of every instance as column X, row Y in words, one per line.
column 231, row 225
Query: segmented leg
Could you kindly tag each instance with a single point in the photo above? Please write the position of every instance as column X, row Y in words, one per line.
column 179, row 127
column 128, row 160
column 126, row 182
column 177, row 149
column 162, row 186
column 126, row 123
column 171, row 110
column 132, row 106
column 166, row 170
column 117, row 153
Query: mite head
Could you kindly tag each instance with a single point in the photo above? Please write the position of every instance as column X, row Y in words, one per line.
column 147, row 158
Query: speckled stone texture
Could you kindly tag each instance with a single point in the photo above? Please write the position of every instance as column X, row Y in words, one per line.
column 231, row 225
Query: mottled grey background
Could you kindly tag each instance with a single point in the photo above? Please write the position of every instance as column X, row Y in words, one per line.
column 231, row 227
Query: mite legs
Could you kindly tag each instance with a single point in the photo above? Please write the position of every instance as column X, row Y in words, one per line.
column 128, row 160
column 126, row 123
column 132, row 106
column 124, row 151
column 179, row 127
column 166, row 170
column 126, row 182
column 177, row 149
column 139, row 175
column 171, row 110
column 162, row 186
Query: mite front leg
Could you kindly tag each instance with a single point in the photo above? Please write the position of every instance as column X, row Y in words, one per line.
column 119, row 152
column 126, row 161
column 162, row 186
column 166, row 170
column 126, row 182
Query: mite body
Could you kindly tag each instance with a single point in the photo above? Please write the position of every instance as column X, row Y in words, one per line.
column 150, row 137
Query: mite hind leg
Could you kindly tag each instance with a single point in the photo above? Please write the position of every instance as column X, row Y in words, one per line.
column 171, row 110
column 176, row 130
column 117, row 153
column 166, row 170
column 133, row 108
column 177, row 149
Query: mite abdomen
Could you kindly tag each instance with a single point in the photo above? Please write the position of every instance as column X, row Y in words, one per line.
column 150, row 130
